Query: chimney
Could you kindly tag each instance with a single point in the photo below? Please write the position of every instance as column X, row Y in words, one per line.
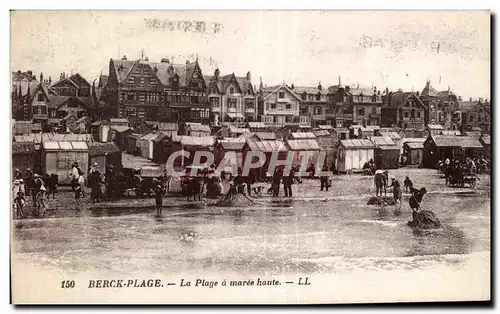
column 216, row 74
column 249, row 76
column 459, row 98
column 293, row 86
column 165, row 60
column 386, row 90
column 41, row 77
column 50, row 80
column 61, row 77
column 418, row 93
column 124, row 58
column 470, row 99
column 146, row 59
column 319, row 86
column 378, row 92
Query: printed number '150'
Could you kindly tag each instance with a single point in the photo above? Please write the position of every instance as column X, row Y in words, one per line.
column 67, row 284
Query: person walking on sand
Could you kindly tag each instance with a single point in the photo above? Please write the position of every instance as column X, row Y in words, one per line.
column 414, row 202
column 396, row 190
column 287, row 183
column 324, row 179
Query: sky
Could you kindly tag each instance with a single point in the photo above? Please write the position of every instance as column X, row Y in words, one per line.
column 397, row 50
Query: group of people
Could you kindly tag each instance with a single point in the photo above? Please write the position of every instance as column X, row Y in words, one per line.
column 36, row 186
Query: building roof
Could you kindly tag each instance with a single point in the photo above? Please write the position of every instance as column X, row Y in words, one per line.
column 486, row 140
column 198, row 127
column 325, row 127
column 413, row 140
column 429, row 90
column 326, row 141
column 309, row 90
column 370, row 128
column 229, row 146
column 456, row 141
column 72, row 146
column 414, row 145
column 304, row 144
column 382, row 141
column 435, row 127
column 388, row 147
column 265, row 135
column 451, row 132
column 466, row 105
column 284, row 87
column 149, row 136
column 134, row 136
column 52, row 137
column 118, row 120
column 164, row 126
column 205, row 141
column 25, row 127
column 256, row 125
column 321, row 133
column 120, row 128
column 246, row 136
column 267, row 146
column 235, row 129
column 356, row 144
column 101, row 149
column 302, row 135
column 391, row 135
column 23, row 148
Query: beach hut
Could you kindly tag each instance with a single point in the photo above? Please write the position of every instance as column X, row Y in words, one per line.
column 224, row 146
column 369, row 131
column 131, row 146
column 24, row 155
column 386, row 152
column 58, row 157
column 440, row 147
column 340, row 133
column 119, row 122
column 145, row 144
column 351, row 155
column 485, row 140
column 267, row 147
column 104, row 154
column 197, row 129
column 262, row 136
column 321, row 133
column 413, row 153
column 355, row 131
column 326, row 127
column 119, row 135
column 328, row 144
column 160, row 151
column 304, row 146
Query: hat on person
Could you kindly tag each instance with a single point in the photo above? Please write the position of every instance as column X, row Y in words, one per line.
column 95, row 164
column 36, row 175
column 21, row 180
column 16, row 182
column 42, row 188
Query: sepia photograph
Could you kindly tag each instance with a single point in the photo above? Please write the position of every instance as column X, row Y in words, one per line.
column 250, row 157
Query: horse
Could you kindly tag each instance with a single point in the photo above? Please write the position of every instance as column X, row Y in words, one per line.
column 51, row 184
column 380, row 179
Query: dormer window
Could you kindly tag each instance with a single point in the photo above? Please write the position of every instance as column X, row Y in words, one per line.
column 304, row 96
column 231, row 90
column 318, row 97
column 40, row 97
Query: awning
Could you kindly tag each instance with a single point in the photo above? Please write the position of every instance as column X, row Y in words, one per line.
column 235, row 115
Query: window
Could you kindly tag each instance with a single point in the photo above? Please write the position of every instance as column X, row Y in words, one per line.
column 231, row 90
column 471, row 118
column 419, row 114
column 361, row 111
column 40, row 97
column 317, row 110
column 318, row 97
column 288, row 106
column 303, row 110
column 304, row 96
column 479, row 117
column 374, row 110
column 231, row 102
column 214, row 102
column 273, row 105
column 406, row 114
column 281, row 95
column 142, row 80
column 311, row 97
column 249, row 104
column 194, row 99
column 130, row 96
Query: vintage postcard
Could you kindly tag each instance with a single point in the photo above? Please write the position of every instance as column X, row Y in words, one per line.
column 250, row 157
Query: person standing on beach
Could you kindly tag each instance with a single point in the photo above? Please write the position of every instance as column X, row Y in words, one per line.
column 159, row 192
column 287, row 183
column 324, row 179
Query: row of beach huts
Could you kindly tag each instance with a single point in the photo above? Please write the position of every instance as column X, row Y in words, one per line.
column 346, row 149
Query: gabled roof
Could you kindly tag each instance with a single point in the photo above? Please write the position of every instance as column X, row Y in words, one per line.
column 429, row 90
column 198, row 127
column 283, row 87
column 303, row 135
column 299, row 90
column 100, row 149
column 325, row 127
column 435, row 127
column 486, row 140
column 235, row 129
column 391, row 135
column 456, row 141
column 267, row 146
column 149, row 136
column 382, row 141
column 256, row 125
column 134, row 136
column 71, row 146
column 245, row 136
column 451, row 132
column 103, row 80
column 356, row 144
column 326, row 141
column 265, row 135
column 66, row 79
column 204, row 141
column 307, row 144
